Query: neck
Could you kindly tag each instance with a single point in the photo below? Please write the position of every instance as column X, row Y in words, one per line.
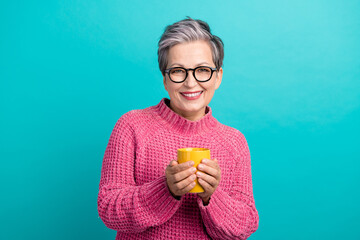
column 175, row 122
column 192, row 116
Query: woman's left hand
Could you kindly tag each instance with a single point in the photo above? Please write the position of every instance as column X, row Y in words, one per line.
column 208, row 178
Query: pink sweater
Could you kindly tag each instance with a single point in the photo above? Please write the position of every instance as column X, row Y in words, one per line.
column 134, row 199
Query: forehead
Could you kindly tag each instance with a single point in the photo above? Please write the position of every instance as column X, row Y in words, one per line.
column 190, row 53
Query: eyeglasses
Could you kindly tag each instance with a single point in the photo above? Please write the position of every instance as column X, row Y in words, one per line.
column 179, row 74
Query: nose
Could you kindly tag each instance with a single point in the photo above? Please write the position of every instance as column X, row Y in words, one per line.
column 190, row 81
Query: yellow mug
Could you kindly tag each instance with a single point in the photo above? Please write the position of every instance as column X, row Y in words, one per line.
column 195, row 155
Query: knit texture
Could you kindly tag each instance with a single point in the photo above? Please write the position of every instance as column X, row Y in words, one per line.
column 133, row 195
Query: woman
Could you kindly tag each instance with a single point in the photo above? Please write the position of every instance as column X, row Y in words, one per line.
column 143, row 189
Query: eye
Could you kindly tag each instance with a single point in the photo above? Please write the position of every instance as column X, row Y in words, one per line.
column 203, row 70
column 177, row 71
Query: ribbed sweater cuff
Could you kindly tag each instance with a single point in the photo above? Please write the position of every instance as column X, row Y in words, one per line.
column 216, row 199
column 224, row 220
column 159, row 200
column 218, row 209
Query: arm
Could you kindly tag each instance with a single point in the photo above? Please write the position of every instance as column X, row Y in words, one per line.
column 122, row 205
column 232, row 214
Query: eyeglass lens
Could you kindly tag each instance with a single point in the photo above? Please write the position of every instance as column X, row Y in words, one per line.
column 201, row 74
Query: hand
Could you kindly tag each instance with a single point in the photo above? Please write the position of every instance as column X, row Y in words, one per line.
column 180, row 178
column 209, row 178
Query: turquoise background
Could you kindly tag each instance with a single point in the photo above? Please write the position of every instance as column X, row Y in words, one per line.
column 70, row 69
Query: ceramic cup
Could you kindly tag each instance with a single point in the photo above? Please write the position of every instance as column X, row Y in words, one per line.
column 195, row 155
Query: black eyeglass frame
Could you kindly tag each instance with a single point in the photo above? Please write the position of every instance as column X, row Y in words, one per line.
column 187, row 72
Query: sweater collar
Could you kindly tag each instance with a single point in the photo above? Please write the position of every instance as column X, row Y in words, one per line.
column 184, row 126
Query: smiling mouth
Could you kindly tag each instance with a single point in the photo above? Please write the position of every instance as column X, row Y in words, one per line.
column 191, row 94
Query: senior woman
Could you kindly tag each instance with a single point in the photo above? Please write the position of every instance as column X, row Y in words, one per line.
column 144, row 191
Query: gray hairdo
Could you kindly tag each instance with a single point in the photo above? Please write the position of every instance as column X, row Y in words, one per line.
column 188, row 30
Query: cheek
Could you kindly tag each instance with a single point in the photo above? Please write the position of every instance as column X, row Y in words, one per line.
column 171, row 89
column 210, row 95
column 211, row 88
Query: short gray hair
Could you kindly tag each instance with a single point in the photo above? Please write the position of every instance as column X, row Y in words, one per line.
column 188, row 30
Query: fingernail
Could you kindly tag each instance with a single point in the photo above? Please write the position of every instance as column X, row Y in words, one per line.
column 201, row 166
column 204, row 160
column 193, row 169
column 193, row 177
column 199, row 174
column 191, row 163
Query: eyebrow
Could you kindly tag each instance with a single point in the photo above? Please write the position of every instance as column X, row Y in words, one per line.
column 199, row 64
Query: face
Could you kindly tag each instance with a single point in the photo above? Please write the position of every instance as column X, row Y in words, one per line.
column 190, row 98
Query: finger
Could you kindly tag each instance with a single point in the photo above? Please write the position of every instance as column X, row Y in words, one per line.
column 206, row 186
column 207, row 178
column 187, row 188
column 171, row 164
column 183, row 174
column 169, row 167
column 181, row 167
column 212, row 163
column 209, row 170
column 184, row 186
column 186, row 182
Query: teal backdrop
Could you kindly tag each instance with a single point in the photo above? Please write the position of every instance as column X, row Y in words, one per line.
column 291, row 84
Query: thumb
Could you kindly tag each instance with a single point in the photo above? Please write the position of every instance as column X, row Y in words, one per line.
column 173, row 163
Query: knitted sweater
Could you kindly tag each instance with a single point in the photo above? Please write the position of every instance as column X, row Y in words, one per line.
column 133, row 195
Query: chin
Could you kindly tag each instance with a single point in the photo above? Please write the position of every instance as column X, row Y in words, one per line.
column 192, row 109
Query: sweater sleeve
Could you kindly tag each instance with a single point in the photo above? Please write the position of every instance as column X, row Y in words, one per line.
column 122, row 205
column 231, row 214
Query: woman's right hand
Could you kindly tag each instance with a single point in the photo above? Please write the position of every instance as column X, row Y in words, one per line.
column 180, row 178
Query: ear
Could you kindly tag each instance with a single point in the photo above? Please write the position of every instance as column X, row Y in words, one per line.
column 218, row 79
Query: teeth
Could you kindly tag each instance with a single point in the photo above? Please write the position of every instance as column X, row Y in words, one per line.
column 192, row 94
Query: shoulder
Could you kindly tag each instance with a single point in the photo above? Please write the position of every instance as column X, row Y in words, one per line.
column 233, row 137
column 137, row 118
column 231, row 132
